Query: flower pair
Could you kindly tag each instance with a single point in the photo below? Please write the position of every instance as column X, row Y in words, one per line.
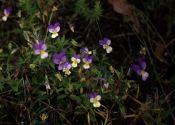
column 61, row 60
column 87, row 57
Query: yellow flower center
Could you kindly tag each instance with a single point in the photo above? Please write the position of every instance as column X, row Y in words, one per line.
column 142, row 72
column 42, row 52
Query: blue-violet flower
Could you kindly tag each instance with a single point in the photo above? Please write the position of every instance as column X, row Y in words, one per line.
column 7, row 12
column 85, row 50
column 66, row 68
column 87, row 61
column 95, row 99
column 106, row 44
column 40, row 49
column 60, row 59
column 139, row 69
column 75, row 60
column 54, row 29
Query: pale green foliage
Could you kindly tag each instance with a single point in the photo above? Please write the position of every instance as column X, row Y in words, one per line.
column 84, row 10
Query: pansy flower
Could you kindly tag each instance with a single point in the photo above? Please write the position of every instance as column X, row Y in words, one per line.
column 54, row 29
column 7, row 12
column 139, row 69
column 75, row 60
column 66, row 68
column 59, row 58
column 87, row 61
column 106, row 44
column 85, row 50
column 40, row 49
column 95, row 99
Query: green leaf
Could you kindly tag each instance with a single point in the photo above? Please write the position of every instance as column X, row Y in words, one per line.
column 14, row 84
column 165, row 114
column 75, row 98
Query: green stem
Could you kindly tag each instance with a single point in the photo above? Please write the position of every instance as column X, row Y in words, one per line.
column 50, row 18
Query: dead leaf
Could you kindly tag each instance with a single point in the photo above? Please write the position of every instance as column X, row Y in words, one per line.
column 122, row 6
column 160, row 51
column 127, row 9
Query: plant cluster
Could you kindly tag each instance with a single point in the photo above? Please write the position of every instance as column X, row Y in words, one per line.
column 48, row 76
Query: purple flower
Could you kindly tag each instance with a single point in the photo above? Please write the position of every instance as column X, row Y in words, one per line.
column 106, row 44
column 87, row 61
column 7, row 12
column 139, row 69
column 85, row 50
column 59, row 58
column 75, row 60
column 54, row 29
column 40, row 49
column 66, row 68
column 95, row 99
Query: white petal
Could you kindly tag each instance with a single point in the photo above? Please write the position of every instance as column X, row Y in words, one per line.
column 74, row 64
column 47, row 86
column 145, row 76
column 109, row 49
column 108, row 42
column 57, row 29
column 73, row 59
column 98, row 97
column 78, row 60
column 86, row 66
column 67, row 72
column 96, row 104
column 4, row 18
column 91, row 100
column 106, row 85
column 44, row 55
column 54, row 35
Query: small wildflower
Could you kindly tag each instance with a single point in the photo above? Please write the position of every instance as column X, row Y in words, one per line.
column 85, row 50
column 139, row 69
column 106, row 85
column 43, row 117
column 75, row 60
column 40, row 49
column 66, row 68
column 7, row 12
column 95, row 99
column 87, row 61
column 59, row 58
column 106, row 45
column 54, row 29
column 143, row 51
column 47, row 86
